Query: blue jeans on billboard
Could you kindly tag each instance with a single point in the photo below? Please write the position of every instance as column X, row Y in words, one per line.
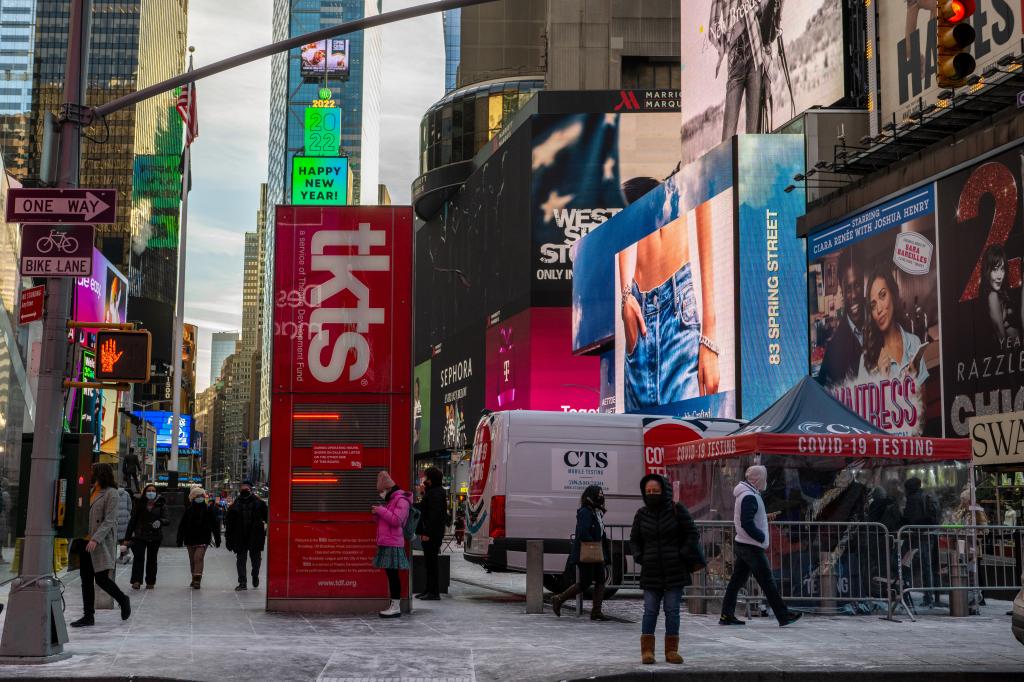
column 662, row 369
column 653, row 600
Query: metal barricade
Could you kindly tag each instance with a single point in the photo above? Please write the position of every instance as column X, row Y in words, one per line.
column 960, row 561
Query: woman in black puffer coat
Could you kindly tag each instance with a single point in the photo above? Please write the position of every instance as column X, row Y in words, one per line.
column 197, row 529
column 666, row 544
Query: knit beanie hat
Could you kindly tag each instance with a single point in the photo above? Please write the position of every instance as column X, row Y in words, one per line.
column 384, row 482
column 195, row 492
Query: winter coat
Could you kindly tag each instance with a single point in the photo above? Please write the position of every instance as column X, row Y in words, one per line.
column 916, row 512
column 245, row 524
column 198, row 524
column 391, row 517
column 124, row 513
column 588, row 529
column 664, row 541
column 103, row 529
column 434, row 510
column 750, row 518
column 885, row 511
column 147, row 525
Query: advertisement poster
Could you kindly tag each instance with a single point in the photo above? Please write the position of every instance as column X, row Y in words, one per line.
column 756, row 65
column 585, row 169
column 326, row 561
column 874, row 314
column 772, row 258
column 980, row 228
column 102, row 297
column 421, row 408
column 325, row 57
column 457, row 390
column 162, row 421
column 530, row 365
column 907, row 53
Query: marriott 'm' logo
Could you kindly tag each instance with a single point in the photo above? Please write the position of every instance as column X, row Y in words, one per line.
column 627, row 101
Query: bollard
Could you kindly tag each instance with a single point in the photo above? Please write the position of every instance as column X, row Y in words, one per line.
column 695, row 603
column 958, row 580
column 535, row 576
column 828, row 580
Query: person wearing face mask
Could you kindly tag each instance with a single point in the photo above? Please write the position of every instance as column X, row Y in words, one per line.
column 752, row 538
column 145, row 532
column 245, row 531
column 589, row 528
column 434, row 518
column 391, row 517
column 666, row 544
column 96, row 550
column 198, row 527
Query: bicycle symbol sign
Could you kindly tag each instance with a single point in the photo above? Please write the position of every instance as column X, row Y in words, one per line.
column 56, row 250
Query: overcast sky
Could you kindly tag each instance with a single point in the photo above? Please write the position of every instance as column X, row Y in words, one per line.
column 229, row 160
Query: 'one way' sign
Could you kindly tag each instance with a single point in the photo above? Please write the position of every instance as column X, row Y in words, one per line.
column 61, row 206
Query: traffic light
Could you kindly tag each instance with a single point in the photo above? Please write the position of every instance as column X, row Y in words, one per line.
column 123, row 356
column 953, row 36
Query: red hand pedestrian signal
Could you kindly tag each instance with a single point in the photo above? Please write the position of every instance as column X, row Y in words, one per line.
column 109, row 355
column 123, row 356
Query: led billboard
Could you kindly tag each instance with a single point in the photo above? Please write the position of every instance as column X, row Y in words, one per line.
column 325, row 58
column 749, row 66
column 319, row 181
column 103, row 296
column 162, row 421
column 322, row 131
column 874, row 331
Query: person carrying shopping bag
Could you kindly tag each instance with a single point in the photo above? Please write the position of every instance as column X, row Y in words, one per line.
column 590, row 553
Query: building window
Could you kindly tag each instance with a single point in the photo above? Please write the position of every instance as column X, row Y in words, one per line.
column 650, row 73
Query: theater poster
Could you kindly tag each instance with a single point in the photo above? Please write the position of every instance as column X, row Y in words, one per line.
column 874, row 314
column 980, row 228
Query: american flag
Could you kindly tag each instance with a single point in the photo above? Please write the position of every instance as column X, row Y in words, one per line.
column 187, row 110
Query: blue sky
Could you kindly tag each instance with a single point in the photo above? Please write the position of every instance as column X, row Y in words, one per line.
column 229, row 159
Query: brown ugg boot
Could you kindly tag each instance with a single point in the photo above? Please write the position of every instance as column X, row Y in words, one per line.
column 647, row 649
column 672, row 649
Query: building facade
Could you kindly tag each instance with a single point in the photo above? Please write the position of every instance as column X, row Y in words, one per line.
column 356, row 90
column 452, row 23
column 222, row 345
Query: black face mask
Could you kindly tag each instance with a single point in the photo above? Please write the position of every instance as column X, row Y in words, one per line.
column 245, row 493
column 654, row 501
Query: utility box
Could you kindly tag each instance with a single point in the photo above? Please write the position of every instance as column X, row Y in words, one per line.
column 71, row 492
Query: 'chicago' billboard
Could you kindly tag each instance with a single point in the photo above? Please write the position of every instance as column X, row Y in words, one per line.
column 341, row 409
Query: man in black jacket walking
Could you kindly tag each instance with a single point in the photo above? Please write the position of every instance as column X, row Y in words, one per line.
column 433, row 519
column 245, row 532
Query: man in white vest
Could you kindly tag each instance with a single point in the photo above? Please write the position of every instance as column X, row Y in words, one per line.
column 751, row 521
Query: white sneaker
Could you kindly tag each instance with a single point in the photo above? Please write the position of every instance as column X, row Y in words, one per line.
column 393, row 611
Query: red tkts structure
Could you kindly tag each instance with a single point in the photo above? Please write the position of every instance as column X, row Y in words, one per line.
column 341, row 400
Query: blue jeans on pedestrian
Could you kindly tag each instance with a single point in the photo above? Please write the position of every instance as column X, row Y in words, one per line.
column 662, row 368
column 653, row 600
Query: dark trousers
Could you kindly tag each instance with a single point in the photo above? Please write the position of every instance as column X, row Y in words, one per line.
column 750, row 559
column 431, row 559
column 145, row 556
column 394, row 583
column 90, row 579
column 255, row 555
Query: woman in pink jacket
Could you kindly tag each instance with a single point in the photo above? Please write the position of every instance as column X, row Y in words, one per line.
column 391, row 517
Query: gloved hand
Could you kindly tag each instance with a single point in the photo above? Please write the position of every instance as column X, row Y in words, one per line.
column 156, row 524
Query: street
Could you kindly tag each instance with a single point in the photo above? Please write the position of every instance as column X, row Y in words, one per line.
column 482, row 633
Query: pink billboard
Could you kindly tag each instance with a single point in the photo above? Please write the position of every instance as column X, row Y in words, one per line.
column 102, row 297
column 530, row 365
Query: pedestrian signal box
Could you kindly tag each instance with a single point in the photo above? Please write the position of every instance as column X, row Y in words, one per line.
column 123, row 356
column 953, row 37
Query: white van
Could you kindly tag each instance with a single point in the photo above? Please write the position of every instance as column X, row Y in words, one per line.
column 529, row 469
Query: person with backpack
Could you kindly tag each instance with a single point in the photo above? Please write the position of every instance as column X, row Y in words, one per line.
column 393, row 516
column 666, row 544
column 922, row 509
column 589, row 529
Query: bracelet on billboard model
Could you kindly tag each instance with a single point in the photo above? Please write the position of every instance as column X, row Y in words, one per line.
column 627, row 291
column 710, row 345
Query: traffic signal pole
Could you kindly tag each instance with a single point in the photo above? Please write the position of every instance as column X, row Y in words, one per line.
column 34, row 630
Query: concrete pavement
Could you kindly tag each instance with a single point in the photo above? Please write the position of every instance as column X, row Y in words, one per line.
column 481, row 632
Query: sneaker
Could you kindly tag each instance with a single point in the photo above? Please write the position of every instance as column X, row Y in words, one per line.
column 394, row 610
column 791, row 618
column 431, row 597
column 150, row 587
column 136, row 586
column 126, row 609
column 731, row 620
column 241, row 587
column 82, row 622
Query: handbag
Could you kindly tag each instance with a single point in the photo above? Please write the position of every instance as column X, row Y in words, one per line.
column 591, row 552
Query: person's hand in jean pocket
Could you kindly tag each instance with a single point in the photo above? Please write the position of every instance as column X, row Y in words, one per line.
column 632, row 323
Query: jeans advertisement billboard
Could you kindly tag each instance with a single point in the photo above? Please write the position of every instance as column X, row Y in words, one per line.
column 874, row 325
column 773, row 303
column 980, row 232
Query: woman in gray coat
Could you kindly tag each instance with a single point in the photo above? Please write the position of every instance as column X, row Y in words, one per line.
column 97, row 557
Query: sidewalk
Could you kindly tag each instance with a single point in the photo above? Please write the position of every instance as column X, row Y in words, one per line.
column 479, row 633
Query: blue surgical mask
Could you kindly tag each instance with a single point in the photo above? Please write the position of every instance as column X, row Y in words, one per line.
column 200, row 500
column 150, row 495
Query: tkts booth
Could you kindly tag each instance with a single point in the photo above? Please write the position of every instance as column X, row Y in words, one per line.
column 827, row 470
column 340, row 410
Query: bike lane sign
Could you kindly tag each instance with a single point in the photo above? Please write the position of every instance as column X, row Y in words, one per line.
column 56, row 250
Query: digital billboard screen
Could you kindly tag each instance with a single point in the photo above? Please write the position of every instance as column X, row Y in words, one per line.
column 751, row 66
column 162, row 421
column 319, row 181
column 874, row 306
column 328, row 58
column 103, row 296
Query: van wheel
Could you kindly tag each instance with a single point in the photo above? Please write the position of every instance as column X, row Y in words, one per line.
column 558, row 583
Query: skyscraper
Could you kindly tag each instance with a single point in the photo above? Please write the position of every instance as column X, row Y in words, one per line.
column 452, row 22
column 350, row 68
column 17, row 26
column 222, row 346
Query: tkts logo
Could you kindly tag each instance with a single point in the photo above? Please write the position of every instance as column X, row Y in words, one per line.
column 337, row 329
column 648, row 100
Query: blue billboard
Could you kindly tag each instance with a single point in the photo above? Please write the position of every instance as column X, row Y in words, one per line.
column 772, row 270
column 162, row 422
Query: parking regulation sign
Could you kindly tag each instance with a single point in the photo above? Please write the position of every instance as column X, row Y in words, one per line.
column 56, row 250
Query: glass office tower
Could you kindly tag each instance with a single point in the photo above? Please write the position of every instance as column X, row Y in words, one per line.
column 452, row 20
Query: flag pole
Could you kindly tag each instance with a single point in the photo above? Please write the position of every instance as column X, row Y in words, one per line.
column 179, row 312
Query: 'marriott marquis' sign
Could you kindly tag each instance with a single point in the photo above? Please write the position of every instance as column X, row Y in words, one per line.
column 319, row 181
